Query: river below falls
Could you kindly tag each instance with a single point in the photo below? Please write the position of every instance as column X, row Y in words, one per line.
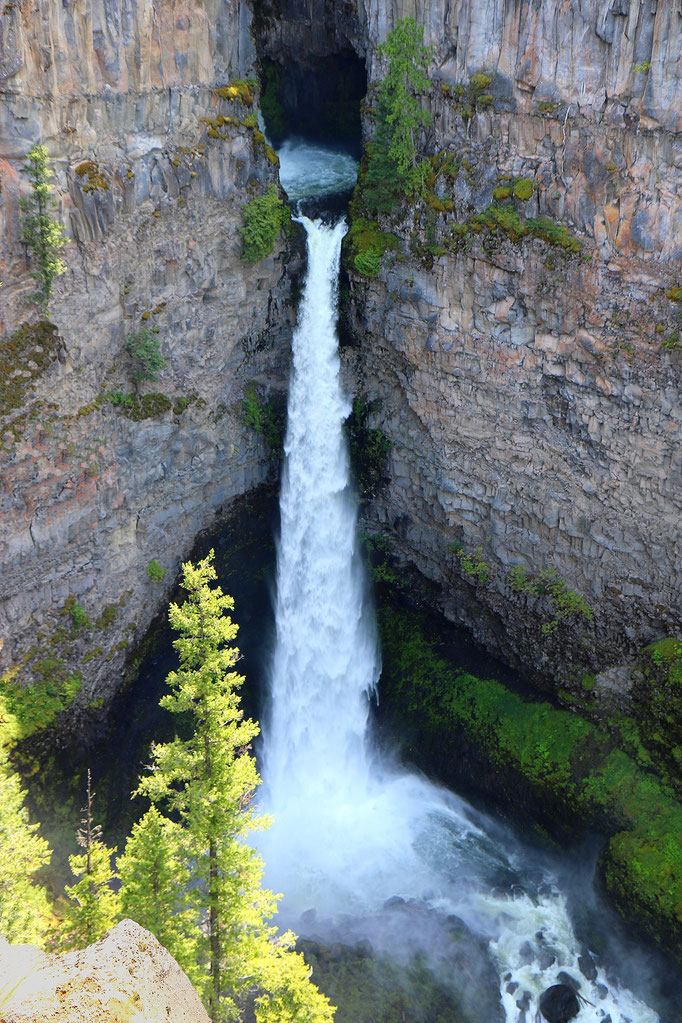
column 364, row 849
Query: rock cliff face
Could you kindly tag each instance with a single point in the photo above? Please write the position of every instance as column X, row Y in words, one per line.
column 531, row 390
column 534, row 408
column 152, row 165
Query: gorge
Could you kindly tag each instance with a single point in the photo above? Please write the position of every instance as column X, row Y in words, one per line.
column 511, row 334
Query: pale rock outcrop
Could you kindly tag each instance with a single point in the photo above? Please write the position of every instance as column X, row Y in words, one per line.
column 126, row 977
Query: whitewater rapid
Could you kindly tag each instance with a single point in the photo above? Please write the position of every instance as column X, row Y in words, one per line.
column 349, row 832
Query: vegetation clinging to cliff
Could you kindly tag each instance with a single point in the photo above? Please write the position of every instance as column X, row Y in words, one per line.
column 145, row 349
column 553, row 763
column 42, row 233
column 264, row 217
column 391, row 170
column 369, row 448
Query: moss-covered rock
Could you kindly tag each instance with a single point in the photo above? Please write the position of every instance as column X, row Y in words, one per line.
column 658, row 705
column 23, row 357
column 549, row 765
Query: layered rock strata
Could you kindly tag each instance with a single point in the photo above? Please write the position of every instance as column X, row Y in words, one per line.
column 153, row 159
column 533, row 394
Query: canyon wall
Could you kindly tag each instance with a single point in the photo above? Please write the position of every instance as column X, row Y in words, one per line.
column 151, row 167
column 532, row 386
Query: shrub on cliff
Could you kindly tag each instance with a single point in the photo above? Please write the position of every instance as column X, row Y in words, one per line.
column 264, row 416
column 369, row 448
column 145, row 348
column 264, row 217
column 41, row 232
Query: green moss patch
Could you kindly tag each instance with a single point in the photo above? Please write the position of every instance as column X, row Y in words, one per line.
column 139, row 406
column 264, row 217
column 552, row 763
column 366, row 245
column 523, row 189
column 506, row 220
column 23, row 357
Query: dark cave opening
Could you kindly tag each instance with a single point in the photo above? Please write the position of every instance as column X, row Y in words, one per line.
column 319, row 100
column 313, row 72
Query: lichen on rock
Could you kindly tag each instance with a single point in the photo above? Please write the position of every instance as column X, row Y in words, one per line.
column 126, row 977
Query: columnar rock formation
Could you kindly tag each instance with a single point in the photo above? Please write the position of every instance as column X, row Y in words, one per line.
column 534, row 396
column 152, row 164
column 532, row 393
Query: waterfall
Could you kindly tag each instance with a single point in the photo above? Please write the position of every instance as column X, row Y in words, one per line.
column 337, row 826
column 348, row 831
column 326, row 654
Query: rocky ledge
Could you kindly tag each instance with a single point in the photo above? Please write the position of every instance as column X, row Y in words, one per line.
column 126, row 977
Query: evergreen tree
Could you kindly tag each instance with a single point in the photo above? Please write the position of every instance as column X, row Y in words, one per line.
column 145, row 348
column 393, row 170
column 41, row 232
column 206, row 782
column 94, row 904
column 154, row 887
column 24, row 907
column 405, row 79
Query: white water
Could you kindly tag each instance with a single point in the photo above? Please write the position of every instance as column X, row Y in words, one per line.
column 348, row 831
column 307, row 170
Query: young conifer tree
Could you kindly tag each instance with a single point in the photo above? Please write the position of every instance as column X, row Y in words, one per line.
column 93, row 909
column 206, row 782
column 155, row 887
column 42, row 233
column 393, row 154
column 24, row 907
column 145, row 349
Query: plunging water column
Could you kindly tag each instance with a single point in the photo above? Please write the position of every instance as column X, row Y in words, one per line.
column 336, row 824
column 326, row 649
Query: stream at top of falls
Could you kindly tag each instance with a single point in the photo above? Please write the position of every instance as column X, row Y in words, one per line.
column 353, row 834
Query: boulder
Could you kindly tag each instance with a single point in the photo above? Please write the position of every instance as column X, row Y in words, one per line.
column 559, row 1004
column 126, row 977
column 588, row 967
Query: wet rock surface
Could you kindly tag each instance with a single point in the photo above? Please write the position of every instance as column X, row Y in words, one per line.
column 559, row 1004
